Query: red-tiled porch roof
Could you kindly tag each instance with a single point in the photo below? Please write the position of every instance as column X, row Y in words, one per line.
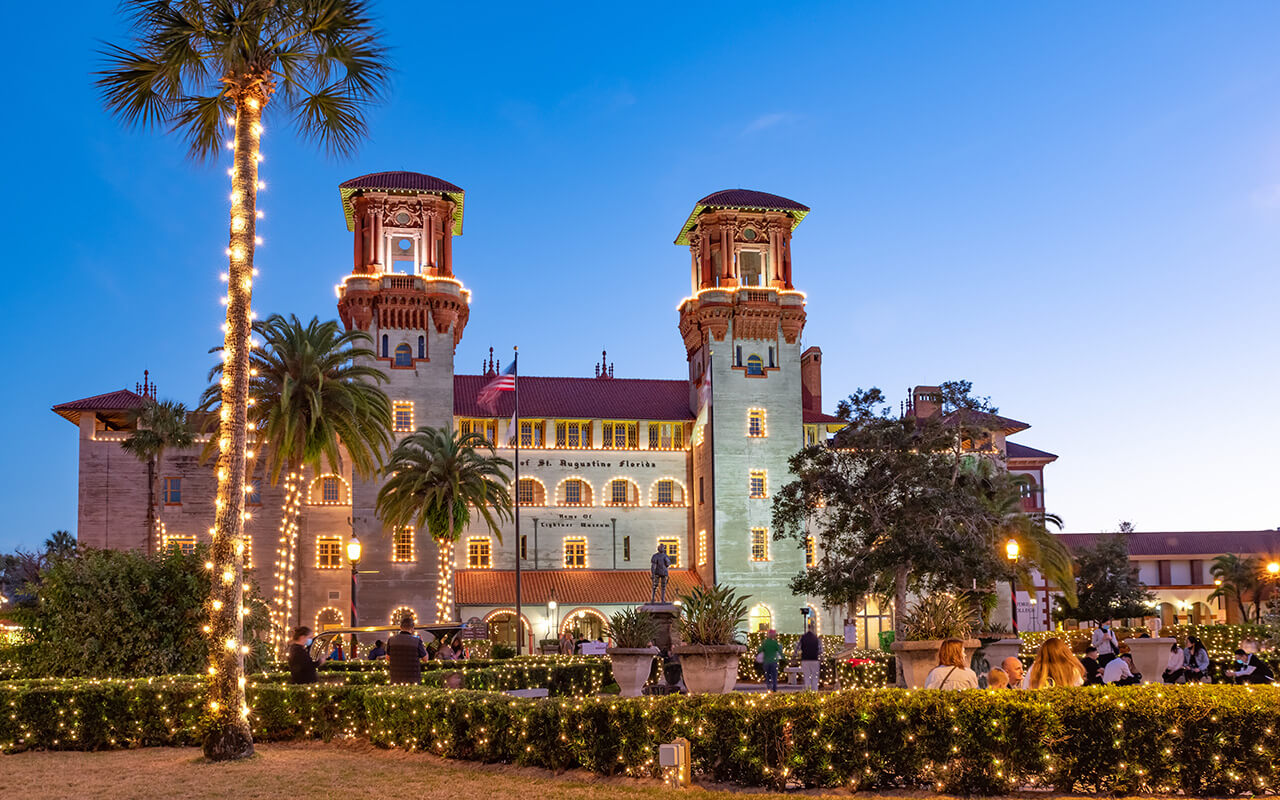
column 1187, row 543
column 485, row 587
column 1013, row 450
column 121, row 401
column 984, row 419
column 584, row 398
column 818, row 416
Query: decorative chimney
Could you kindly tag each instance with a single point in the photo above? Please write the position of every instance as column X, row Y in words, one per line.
column 811, row 378
column 926, row 401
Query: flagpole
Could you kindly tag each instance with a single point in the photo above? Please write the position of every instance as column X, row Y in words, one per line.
column 515, row 374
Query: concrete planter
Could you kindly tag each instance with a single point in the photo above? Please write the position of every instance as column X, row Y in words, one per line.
column 710, row 668
column 994, row 653
column 1150, row 657
column 915, row 659
column 631, row 667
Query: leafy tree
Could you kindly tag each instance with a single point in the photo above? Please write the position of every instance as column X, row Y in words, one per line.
column 892, row 506
column 113, row 613
column 436, row 479
column 1107, row 587
column 314, row 393
column 191, row 65
column 20, row 570
column 160, row 426
column 1237, row 577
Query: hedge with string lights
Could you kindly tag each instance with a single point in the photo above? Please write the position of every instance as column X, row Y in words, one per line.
column 1164, row 739
column 573, row 679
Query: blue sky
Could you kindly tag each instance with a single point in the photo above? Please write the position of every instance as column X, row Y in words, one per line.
column 1075, row 206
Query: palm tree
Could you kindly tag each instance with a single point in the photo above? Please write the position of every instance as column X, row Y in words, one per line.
column 1235, row 576
column 61, row 544
column 312, row 394
column 160, row 426
column 436, row 478
column 191, row 65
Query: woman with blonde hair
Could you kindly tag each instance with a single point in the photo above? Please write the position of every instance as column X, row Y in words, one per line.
column 952, row 671
column 1055, row 665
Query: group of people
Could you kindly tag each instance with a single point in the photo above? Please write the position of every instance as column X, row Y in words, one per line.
column 404, row 653
column 808, row 651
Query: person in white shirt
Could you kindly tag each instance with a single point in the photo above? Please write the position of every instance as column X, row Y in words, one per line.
column 1119, row 671
column 1176, row 668
column 952, row 671
column 1104, row 639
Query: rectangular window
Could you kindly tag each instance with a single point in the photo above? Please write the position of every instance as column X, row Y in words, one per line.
column 573, row 492
column 755, row 422
column 666, row 435
column 329, row 552
column 702, row 548
column 810, row 552
column 666, row 493
column 618, row 494
column 172, row 491
column 759, row 544
column 402, row 546
column 810, row 435
column 524, row 493
column 751, row 268
column 620, row 435
column 488, row 428
column 253, row 492
column 673, row 549
column 626, row 548
column 181, row 543
column 330, row 491
column 573, row 434
column 702, row 497
column 532, row 433
column 759, row 485
column 402, row 410
column 524, row 547
column 478, row 552
column 575, row 553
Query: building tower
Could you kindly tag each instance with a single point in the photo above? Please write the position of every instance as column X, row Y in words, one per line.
column 403, row 293
column 741, row 330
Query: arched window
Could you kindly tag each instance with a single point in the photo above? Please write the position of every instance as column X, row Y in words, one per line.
column 666, row 492
column 760, row 618
column 329, row 490
column 404, row 356
column 400, row 613
column 585, row 623
column 422, row 347
column 574, row 492
column 328, row 617
column 622, row 492
column 385, row 352
column 531, row 492
column 755, row 364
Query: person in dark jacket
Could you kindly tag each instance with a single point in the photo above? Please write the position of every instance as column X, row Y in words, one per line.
column 810, row 647
column 302, row 668
column 1092, row 669
column 378, row 651
column 405, row 651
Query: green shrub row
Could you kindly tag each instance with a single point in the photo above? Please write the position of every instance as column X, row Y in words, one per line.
column 559, row 679
column 1151, row 739
column 363, row 665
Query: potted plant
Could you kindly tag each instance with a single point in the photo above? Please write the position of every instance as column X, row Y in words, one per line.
column 709, row 623
column 932, row 619
column 998, row 641
column 632, row 651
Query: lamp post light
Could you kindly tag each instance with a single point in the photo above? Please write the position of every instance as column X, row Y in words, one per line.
column 552, row 617
column 353, row 555
column 1011, row 552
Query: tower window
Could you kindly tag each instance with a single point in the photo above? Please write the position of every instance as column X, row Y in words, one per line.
column 666, row 435
column 404, row 356
column 402, row 413
column 532, row 433
column 329, row 490
column 755, row 364
column 531, row 493
column 737, row 352
column 478, row 553
column 422, row 347
column 402, row 545
column 759, row 544
column 575, row 553
column 751, row 268
column 172, row 491
column 672, row 546
column 759, row 484
column 755, row 422
column 771, row 361
column 385, row 352
column 328, row 552
column 573, row 434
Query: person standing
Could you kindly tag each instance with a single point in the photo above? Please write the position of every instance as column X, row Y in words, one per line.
column 1104, row 639
column 810, row 647
column 770, row 651
column 659, row 563
column 302, row 667
column 952, row 671
column 405, row 651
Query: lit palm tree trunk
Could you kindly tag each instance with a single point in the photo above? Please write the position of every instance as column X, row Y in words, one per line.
column 287, row 558
column 228, row 735
column 444, row 573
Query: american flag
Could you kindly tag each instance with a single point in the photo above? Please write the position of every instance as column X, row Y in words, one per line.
column 505, row 382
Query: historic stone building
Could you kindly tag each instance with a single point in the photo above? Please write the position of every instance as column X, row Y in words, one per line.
column 610, row 467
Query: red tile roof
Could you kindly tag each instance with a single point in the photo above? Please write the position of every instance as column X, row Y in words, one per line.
column 401, row 182
column 484, row 587
column 750, row 199
column 123, row 400
column 586, row 398
column 1015, row 450
column 818, row 416
column 1187, row 543
column 985, row 420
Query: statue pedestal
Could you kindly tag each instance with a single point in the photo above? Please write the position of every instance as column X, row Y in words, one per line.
column 665, row 617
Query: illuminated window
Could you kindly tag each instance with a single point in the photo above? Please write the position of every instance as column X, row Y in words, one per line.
column 755, row 365
column 404, row 356
column 666, row 435
column 488, row 428
column 532, row 433
column 402, row 545
column 330, row 491
column 621, row 435
column 666, row 492
column 181, row 543
column 672, row 546
column 403, row 411
column 328, row 617
column 759, row 544
column 531, row 492
column 253, row 493
column 760, row 618
column 478, row 552
column 755, row 422
column 702, row 548
column 575, row 492
column 623, row 492
column 328, row 552
column 810, row 552
column 575, row 553
column 402, row 613
column 573, row 434
column 759, row 487
column 172, row 491
column 810, row 435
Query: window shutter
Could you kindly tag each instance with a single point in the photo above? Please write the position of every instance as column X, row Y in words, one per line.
column 633, row 435
column 586, row 435
column 654, row 432
column 560, row 434
column 678, row 435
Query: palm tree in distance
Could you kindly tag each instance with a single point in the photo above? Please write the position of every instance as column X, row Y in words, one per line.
column 160, row 426
column 191, row 65
column 436, row 478
column 1235, row 577
column 312, row 395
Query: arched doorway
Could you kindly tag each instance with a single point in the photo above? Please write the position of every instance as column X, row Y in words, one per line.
column 759, row 619
column 585, row 623
column 1167, row 613
column 328, row 617
column 501, row 627
column 1201, row 613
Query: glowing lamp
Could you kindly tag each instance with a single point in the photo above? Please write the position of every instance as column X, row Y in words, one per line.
column 353, row 550
column 1011, row 550
column 1274, row 568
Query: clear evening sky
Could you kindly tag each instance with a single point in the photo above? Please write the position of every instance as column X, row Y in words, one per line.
column 1074, row 205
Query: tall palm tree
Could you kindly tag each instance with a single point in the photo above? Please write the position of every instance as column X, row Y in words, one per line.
column 161, row 426
column 61, row 544
column 1235, row 577
column 312, row 394
column 190, row 65
column 436, row 478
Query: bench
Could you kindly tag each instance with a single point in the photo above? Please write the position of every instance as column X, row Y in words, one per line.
column 793, row 675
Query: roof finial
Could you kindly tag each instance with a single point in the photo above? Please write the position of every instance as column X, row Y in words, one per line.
column 604, row 369
column 148, row 387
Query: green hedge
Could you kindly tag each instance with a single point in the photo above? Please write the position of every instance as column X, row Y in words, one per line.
column 831, row 671
column 559, row 679
column 1197, row 739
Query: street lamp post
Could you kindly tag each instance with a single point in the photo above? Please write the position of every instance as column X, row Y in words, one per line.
column 551, row 613
column 353, row 555
column 1273, row 574
column 1011, row 552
